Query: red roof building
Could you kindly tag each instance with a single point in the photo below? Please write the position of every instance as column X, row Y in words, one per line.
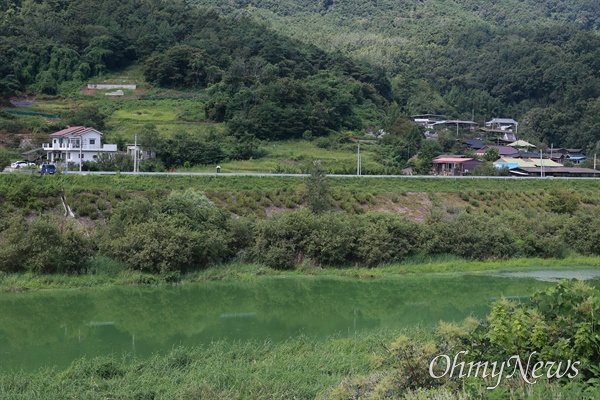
column 454, row 166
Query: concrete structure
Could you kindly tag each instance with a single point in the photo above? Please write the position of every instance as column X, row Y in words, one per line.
column 103, row 86
column 77, row 144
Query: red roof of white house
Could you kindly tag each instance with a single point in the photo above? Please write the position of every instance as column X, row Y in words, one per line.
column 73, row 131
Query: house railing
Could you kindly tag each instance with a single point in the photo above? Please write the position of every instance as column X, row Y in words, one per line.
column 75, row 147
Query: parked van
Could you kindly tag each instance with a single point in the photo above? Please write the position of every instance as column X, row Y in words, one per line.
column 48, row 169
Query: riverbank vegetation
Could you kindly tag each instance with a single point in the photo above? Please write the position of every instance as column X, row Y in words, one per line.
column 381, row 364
column 154, row 228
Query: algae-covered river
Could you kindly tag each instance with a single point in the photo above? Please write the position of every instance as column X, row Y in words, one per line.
column 52, row 328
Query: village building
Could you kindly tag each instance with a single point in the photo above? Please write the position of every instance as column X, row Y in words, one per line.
column 502, row 150
column 143, row 152
column 503, row 124
column 454, row 165
column 76, row 145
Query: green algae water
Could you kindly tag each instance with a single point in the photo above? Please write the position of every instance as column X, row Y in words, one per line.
column 53, row 328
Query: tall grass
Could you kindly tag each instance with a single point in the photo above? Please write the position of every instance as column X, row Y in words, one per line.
column 301, row 367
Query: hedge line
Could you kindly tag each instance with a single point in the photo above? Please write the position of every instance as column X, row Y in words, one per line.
column 184, row 231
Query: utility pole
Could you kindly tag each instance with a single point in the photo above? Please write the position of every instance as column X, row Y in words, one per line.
column 135, row 153
column 67, row 155
column 80, row 152
column 358, row 164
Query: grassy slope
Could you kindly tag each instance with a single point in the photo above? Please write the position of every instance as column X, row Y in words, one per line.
column 261, row 196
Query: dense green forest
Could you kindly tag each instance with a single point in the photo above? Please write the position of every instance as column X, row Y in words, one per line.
column 535, row 61
column 303, row 69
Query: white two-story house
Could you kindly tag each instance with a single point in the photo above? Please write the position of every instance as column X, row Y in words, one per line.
column 77, row 144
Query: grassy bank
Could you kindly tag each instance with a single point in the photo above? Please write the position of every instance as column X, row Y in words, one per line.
column 92, row 195
column 250, row 272
column 150, row 225
column 300, row 368
column 360, row 366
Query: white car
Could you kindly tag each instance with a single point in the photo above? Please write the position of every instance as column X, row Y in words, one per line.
column 22, row 163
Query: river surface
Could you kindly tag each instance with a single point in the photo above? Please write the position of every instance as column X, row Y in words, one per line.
column 52, row 328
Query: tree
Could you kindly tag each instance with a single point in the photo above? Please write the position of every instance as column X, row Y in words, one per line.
column 491, row 154
column 317, row 189
column 4, row 159
column 87, row 116
column 109, row 162
column 9, row 86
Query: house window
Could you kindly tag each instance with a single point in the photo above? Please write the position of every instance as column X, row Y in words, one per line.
column 92, row 141
column 82, row 156
column 94, row 157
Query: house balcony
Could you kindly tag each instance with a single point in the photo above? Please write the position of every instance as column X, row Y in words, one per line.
column 75, row 147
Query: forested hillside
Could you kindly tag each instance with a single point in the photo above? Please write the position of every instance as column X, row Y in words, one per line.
column 532, row 60
column 260, row 82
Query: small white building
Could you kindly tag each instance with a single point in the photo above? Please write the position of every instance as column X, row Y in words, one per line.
column 143, row 153
column 77, row 144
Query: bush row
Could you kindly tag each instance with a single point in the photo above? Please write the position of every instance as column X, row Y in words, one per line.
column 184, row 231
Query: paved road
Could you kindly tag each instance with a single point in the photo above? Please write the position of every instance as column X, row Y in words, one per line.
column 330, row 175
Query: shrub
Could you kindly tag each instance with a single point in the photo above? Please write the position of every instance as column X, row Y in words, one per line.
column 317, row 189
column 41, row 247
column 386, row 238
column 557, row 324
column 472, row 237
column 193, row 209
column 562, row 202
column 582, row 232
column 162, row 245
column 280, row 239
column 130, row 212
column 332, row 239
